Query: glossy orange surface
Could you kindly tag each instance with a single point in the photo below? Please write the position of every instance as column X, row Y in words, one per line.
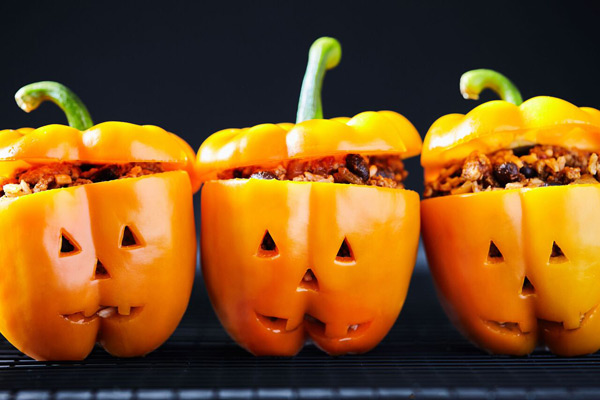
column 50, row 298
column 108, row 142
column 499, row 125
column 487, row 297
column 383, row 132
column 263, row 298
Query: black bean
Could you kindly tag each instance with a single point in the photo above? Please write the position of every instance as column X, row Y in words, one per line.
column 384, row 173
column 263, row 175
column 343, row 175
column 87, row 167
column 107, row 174
column 506, row 173
column 522, row 151
column 357, row 165
column 528, row 171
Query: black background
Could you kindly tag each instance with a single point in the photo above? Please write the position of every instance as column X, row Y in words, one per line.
column 194, row 68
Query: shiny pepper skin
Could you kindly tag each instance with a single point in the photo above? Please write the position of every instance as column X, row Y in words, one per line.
column 499, row 124
column 527, row 294
column 127, row 246
column 517, row 268
column 286, row 261
column 263, row 298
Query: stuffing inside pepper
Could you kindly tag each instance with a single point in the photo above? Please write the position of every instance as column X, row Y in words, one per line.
column 524, row 167
column 39, row 178
column 381, row 170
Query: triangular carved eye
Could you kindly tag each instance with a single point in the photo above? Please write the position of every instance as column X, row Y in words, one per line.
column 557, row 256
column 494, row 254
column 129, row 239
column 100, row 272
column 345, row 253
column 267, row 247
column 68, row 246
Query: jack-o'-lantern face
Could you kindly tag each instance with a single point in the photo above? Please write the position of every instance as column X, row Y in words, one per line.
column 284, row 261
column 516, row 268
column 111, row 262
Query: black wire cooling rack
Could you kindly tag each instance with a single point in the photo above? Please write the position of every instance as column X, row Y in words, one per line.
column 423, row 357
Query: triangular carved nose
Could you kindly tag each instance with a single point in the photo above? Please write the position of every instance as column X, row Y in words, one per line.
column 527, row 288
column 309, row 282
column 100, row 272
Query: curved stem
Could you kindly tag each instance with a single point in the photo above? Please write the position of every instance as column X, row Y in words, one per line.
column 474, row 82
column 31, row 96
column 325, row 53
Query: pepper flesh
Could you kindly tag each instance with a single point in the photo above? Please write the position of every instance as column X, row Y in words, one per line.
column 356, row 301
column 516, row 267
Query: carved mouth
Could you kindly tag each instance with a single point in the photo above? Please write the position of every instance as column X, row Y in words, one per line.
column 505, row 327
column 515, row 328
column 312, row 324
column 556, row 325
column 105, row 312
column 274, row 324
column 319, row 328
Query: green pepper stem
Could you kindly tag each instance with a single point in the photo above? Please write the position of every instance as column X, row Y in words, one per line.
column 474, row 82
column 325, row 53
column 31, row 96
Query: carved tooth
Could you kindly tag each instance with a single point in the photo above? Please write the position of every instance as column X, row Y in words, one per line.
column 527, row 325
column 124, row 310
column 89, row 312
column 353, row 327
column 107, row 312
column 294, row 322
column 572, row 323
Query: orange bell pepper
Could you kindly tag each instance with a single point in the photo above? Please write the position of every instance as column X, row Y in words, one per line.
column 271, row 298
column 110, row 262
column 525, row 294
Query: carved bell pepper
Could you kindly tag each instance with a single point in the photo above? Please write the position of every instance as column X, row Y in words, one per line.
column 515, row 256
column 99, row 241
column 298, row 241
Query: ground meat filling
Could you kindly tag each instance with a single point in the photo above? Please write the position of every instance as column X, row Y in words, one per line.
column 383, row 171
column 39, row 178
column 523, row 167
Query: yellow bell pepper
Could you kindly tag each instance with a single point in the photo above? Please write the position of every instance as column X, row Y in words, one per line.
column 110, row 261
column 520, row 267
column 284, row 261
